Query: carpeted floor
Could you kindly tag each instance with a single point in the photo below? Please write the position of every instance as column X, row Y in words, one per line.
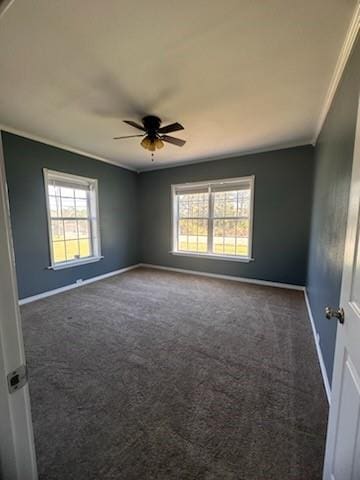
column 156, row 375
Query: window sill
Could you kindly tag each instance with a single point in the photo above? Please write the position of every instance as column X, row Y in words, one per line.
column 213, row 256
column 75, row 263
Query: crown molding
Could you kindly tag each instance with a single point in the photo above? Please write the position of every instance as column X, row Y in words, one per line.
column 4, row 6
column 37, row 138
column 193, row 161
column 344, row 55
column 240, row 153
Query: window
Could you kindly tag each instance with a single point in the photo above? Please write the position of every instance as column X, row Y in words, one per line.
column 72, row 206
column 214, row 218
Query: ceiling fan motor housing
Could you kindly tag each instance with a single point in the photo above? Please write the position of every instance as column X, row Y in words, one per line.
column 151, row 125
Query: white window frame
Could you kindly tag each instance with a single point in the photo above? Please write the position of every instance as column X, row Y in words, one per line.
column 93, row 199
column 249, row 180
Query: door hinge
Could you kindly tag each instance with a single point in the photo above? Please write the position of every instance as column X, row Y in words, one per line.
column 17, row 378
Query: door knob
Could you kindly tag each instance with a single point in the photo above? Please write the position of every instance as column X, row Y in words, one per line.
column 335, row 313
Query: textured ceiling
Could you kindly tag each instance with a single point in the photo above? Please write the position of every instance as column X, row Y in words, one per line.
column 240, row 75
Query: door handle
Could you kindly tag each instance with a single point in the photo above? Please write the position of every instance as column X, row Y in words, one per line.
column 335, row 313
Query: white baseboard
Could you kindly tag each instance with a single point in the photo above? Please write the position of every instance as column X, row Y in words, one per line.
column 49, row 293
column 226, row 277
column 318, row 349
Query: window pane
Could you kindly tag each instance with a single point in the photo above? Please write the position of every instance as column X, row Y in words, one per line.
column 231, row 237
column 243, row 201
column 55, row 209
column 59, row 252
column 80, row 193
column 242, row 237
column 193, row 235
column 57, row 230
column 232, row 203
column 70, row 227
column 72, row 249
column 54, row 190
column 68, row 207
column 81, row 208
column 67, row 192
column 218, row 238
column 84, row 228
column 194, row 205
column 184, row 227
column 229, row 228
column 230, row 246
column 219, row 204
column 183, row 206
column 85, row 247
column 242, row 247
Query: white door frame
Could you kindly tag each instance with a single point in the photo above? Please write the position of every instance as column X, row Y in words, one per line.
column 342, row 440
column 17, row 451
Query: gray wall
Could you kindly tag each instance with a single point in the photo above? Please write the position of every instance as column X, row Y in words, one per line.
column 333, row 157
column 24, row 161
column 283, row 187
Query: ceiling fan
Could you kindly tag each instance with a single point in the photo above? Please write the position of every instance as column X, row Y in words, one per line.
column 154, row 135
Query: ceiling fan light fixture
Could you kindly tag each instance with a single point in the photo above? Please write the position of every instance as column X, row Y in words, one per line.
column 145, row 143
column 154, row 135
column 159, row 143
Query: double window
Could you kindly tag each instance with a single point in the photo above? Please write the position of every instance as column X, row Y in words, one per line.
column 72, row 205
column 214, row 218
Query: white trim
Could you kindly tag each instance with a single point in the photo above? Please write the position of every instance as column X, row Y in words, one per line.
column 17, row 451
column 254, row 281
column 79, row 283
column 212, row 256
column 79, row 180
column 4, row 6
column 37, row 138
column 341, row 451
column 178, row 187
column 344, row 55
column 75, row 263
column 92, row 197
column 318, row 349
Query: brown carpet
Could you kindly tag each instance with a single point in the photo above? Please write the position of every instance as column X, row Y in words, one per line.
column 157, row 375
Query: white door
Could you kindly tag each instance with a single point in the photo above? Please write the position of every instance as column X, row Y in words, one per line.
column 342, row 458
column 17, row 454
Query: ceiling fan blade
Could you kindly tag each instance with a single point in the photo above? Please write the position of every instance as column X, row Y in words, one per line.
column 175, row 141
column 173, row 127
column 128, row 136
column 134, row 124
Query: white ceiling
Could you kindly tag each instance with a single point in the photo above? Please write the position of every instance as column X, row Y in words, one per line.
column 240, row 75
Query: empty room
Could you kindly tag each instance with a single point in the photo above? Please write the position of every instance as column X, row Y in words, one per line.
column 179, row 232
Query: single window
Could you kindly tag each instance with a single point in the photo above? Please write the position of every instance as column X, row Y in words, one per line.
column 72, row 204
column 214, row 218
